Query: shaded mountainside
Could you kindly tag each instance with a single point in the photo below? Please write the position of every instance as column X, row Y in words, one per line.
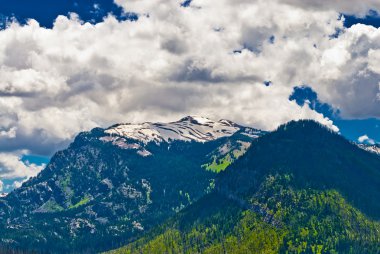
column 106, row 189
column 318, row 159
column 300, row 189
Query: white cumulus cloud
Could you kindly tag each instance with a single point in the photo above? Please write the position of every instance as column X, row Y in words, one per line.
column 366, row 139
column 358, row 8
column 11, row 167
column 210, row 59
column 17, row 184
column 11, row 133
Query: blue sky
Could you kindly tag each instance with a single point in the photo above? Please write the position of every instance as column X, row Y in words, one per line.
column 46, row 11
column 350, row 128
column 152, row 60
column 372, row 19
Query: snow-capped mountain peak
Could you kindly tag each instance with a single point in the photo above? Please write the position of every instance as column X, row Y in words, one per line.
column 190, row 128
column 196, row 120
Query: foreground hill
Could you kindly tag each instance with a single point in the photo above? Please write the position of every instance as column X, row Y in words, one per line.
column 111, row 185
column 300, row 189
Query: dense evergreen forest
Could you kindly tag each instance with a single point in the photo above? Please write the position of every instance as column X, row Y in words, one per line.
column 281, row 219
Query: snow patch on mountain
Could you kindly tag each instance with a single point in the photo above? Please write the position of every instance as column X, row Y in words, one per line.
column 370, row 148
column 191, row 128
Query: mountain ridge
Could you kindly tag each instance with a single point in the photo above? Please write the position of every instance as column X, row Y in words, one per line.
column 353, row 171
column 276, row 199
column 190, row 128
column 110, row 190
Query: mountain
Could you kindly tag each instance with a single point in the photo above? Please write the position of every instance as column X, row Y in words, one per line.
column 318, row 159
column 191, row 128
column 299, row 189
column 112, row 185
